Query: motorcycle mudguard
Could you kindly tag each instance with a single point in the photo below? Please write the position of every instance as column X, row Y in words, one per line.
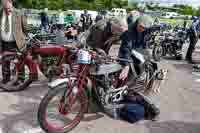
column 138, row 55
column 106, row 69
column 60, row 81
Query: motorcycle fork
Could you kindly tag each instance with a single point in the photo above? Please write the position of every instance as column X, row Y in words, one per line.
column 82, row 82
column 66, row 100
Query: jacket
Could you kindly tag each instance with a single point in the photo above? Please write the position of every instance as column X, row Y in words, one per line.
column 132, row 39
column 18, row 25
column 130, row 19
column 99, row 35
column 86, row 19
column 195, row 28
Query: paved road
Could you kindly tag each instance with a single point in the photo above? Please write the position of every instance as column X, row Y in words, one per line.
column 178, row 101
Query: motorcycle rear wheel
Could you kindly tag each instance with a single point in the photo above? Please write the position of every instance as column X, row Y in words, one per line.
column 14, row 84
column 157, row 53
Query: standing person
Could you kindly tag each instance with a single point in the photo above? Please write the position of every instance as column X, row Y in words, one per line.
column 86, row 20
column 61, row 18
column 12, row 38
column 53, row 19
column 185, row 23
column 60, row 34
column 130, row 18
column 98, row 17
column 194, row 36
column 44, row 22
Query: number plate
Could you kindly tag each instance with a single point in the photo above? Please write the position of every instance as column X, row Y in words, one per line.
column 84, row 57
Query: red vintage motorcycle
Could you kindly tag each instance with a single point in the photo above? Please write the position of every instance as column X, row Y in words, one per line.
column 51, row 59
column 63, row 107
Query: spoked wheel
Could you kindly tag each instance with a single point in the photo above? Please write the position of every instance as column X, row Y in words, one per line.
column 149, row 80
column 61, row 110
column 14, row 77
column 157, row 53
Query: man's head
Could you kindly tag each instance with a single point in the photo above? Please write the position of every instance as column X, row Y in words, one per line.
column 143, row 23
column 118, row 25
column 7, row 5
column 85, row 11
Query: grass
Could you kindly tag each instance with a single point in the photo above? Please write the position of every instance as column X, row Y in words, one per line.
column 175, row 21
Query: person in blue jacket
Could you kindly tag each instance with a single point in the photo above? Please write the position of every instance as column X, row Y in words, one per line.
column 135, row 38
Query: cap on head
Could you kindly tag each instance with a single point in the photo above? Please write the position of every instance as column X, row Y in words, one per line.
column 118, row 22
column 145, row 20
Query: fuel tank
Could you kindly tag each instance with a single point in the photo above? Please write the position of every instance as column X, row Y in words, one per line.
column 49, row 49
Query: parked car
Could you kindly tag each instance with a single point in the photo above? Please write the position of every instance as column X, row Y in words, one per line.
column 118, row 12
column 170, row 15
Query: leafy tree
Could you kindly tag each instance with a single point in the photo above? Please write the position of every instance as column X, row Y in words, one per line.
column 197, row 13
column 72, row 4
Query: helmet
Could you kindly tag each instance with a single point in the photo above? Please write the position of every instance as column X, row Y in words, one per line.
column 145, row 20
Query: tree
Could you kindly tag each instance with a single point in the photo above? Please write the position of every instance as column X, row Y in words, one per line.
column 55, row 4
column 185, row 9
column 197, row 13
column 72, row 4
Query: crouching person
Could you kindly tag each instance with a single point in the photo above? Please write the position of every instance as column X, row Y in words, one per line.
column 134, row 40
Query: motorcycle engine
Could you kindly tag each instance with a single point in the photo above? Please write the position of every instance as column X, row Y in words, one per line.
column 108, row 90
column 49, row 67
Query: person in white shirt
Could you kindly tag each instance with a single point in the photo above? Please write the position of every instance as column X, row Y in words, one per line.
column 11, row 35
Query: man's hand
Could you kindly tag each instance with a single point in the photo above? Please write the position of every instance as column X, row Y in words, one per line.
column 124, row 73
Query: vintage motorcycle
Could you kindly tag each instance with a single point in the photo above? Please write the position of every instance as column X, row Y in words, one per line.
column 169, row 43
column 51, row 59
column 96, row 77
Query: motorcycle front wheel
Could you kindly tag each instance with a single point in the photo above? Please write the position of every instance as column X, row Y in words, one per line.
column 55, row 114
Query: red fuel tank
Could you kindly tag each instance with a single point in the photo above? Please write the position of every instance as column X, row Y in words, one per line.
column 49, row 50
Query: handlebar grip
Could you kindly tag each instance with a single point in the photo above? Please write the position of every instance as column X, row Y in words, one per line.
column 122, row 59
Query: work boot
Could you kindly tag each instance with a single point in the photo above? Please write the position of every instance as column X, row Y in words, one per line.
column 152, row 112
column 155, row 112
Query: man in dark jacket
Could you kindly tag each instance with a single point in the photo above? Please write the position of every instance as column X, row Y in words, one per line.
column 130, row 19
column 44, row 22
column 134, row 38
column 98, row 17
column 194, row 36
column 86, row 20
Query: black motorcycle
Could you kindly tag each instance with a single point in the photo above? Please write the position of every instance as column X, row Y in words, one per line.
column 169, row 43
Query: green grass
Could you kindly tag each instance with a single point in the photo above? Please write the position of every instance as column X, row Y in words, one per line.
column 175, row 21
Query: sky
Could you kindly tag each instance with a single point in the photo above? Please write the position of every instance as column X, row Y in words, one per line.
column 194, row 3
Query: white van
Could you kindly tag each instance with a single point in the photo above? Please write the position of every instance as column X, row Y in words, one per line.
column 170, row 15
column 118, row 12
